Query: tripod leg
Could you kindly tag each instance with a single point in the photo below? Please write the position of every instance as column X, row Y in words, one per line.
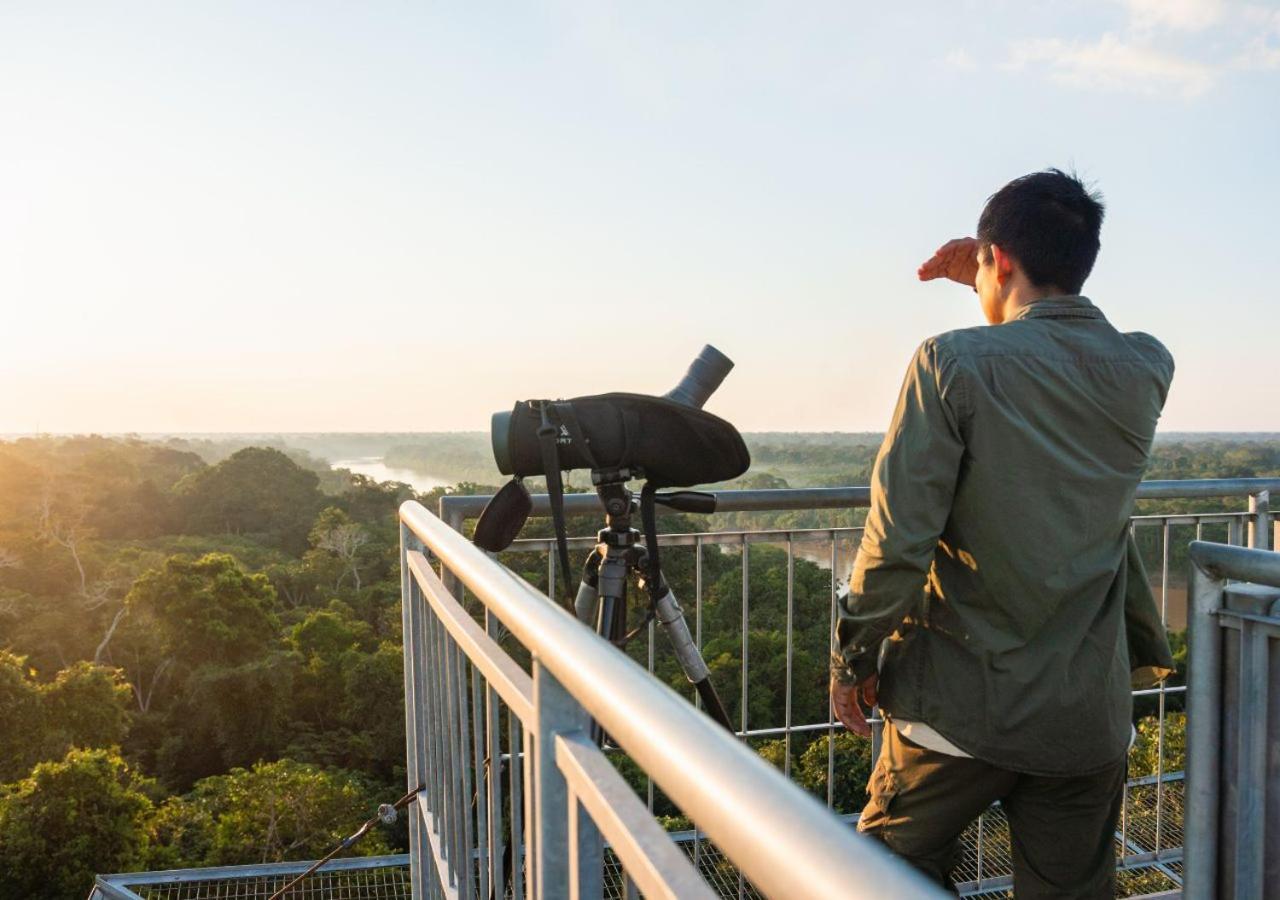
column 671, row 616
column 584, row 605
column 611, row 611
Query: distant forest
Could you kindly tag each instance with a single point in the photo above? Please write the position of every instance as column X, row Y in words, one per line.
column 200, row 647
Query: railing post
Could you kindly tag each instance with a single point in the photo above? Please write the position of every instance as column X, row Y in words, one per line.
column 421, row 875
column 1204, row 726
column 1260, row 520
column 559, row 848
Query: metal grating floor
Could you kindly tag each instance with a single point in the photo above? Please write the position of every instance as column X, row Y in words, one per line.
column 388, row 882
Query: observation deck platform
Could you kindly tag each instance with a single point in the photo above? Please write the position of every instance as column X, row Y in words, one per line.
column 674, row 806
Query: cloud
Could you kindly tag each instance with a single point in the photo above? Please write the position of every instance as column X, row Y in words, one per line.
column 1115, row 64
column 960, row 59
column 1180, row 15
column 1262, row 51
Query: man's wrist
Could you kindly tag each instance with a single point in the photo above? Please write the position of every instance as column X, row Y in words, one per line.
column 850, row 673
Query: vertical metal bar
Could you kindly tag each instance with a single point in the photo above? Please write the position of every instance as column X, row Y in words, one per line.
column 454, row 520
column 479, row 719
column 453, row 823
column 791, row 590
column 697, row 700
column 575, row 860
column 412, row 692
column 1124, row 819
column 629, row 889
column 831, row 712
column 1251, row 767
column 465, row 764
column 982, row 818
column 1160, row 699
column 555, row 712
column 430, row 724
column 1235, row 533
column 746, row 667
column 586, row 854
column 746, row 625
column 432, row 727
column 493, row 775
column 551, row 573
column 519, row 802
column 1204, row 725
column 426, row 748
column 1260, row 520
column 648, row 779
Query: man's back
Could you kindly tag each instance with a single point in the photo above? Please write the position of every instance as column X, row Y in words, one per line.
column 1018, row 654
column 991, row 608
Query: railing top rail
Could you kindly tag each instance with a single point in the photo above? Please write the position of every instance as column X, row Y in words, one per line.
column 748, row 808
column 454, row 507
column 1223, row 561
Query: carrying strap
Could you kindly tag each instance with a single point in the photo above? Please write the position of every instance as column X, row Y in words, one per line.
column 547, row 435
column 649, row 516
column 569, row 419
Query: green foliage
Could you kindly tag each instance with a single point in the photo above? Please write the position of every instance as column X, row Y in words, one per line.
column 851, row 768
column 242, row 604
column 1146, row 751
column 21, row 714
column 84, row 706
column 255, row 491
column 207, row 610
column 68, row 821
column 270, row 812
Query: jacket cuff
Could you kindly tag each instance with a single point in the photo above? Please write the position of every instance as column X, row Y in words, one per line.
column 854, row 670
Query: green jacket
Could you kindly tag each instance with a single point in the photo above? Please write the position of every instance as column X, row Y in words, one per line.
column 993, row 587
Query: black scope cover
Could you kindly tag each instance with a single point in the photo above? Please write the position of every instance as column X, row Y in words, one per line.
column 674, row 444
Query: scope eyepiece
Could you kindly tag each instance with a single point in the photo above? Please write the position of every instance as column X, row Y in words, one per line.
column 500, row 437
column 704, row 376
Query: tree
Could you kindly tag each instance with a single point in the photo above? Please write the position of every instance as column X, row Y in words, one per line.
column 255, row 491
column 21, row 714
column 204, row 634
column 206, row 610
column 335, row 533
column 851, row 767
column 271, row 812
column 84, row 706
column 70, row 819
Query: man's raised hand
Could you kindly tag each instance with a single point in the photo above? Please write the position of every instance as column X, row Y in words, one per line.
column 956, row 259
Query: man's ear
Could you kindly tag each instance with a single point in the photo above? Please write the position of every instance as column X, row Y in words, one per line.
column 1004, row 263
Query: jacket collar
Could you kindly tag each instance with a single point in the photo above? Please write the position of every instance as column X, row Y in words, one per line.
column 1072, row 306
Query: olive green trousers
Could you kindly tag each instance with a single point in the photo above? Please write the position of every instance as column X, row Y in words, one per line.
column 1062, row 830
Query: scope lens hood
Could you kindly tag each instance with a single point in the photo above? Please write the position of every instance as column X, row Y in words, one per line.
column 500, row 437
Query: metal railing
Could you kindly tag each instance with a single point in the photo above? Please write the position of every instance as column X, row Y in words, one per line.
column 1149, row 840
column 1233, row 841
column 366, row 877
column 518, row 799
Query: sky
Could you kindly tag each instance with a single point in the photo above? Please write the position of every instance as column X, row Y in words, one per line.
column 315, row 216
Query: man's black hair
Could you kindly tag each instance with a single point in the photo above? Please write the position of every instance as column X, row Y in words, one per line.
column 1049, row 222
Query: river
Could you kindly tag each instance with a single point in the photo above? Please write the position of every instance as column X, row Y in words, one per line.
column 375, row 468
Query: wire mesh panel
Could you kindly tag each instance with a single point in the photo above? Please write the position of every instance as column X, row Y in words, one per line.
column 369, row 878
column 762, row 647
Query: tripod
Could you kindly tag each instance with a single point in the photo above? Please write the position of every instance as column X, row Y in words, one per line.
column 601, row 601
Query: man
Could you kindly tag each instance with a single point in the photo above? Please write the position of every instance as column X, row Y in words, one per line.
column 987, row 607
